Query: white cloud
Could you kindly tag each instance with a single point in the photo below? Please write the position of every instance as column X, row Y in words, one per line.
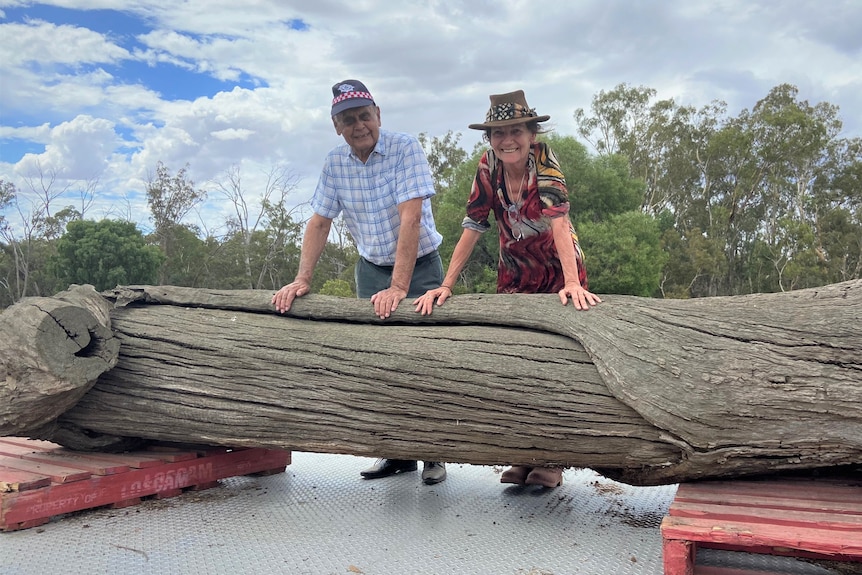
column 47, row 44
column 39, row 134
column 233, row 134
column 77, row 150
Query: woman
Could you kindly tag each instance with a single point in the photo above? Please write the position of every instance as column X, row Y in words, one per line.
column 520, row 180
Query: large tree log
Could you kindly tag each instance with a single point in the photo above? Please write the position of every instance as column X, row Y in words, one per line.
column 51, row 352
column 646, row 391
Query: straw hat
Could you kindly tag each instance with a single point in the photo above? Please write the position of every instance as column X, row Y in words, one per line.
column 507, row 110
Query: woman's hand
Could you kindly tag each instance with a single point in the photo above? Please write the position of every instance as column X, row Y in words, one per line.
column 580, row 297
column 425, row 303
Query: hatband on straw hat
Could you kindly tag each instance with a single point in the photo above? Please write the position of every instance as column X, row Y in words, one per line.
column 507, row 110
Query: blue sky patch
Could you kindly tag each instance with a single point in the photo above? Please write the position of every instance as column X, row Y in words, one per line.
column 170, row 81
column 174, row 82
column 110, row 22
column 12, row 150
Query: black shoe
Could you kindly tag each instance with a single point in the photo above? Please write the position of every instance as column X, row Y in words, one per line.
column 387, row 467
column 433, row 472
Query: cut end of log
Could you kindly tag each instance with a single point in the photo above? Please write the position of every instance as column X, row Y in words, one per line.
column 54, row 350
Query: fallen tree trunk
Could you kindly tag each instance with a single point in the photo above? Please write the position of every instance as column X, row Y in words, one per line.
column 51, row 352
column 645, row 391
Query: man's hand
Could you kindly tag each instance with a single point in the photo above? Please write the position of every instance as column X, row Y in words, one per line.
column 284, row 297
column 386, row 301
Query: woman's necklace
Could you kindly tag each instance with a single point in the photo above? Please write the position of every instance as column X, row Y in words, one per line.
column 515, row 198
column 513, row 210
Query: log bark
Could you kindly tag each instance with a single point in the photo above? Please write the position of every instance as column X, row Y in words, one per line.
column 645, row 391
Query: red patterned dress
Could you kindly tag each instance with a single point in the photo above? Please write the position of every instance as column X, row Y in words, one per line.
column 529, row 262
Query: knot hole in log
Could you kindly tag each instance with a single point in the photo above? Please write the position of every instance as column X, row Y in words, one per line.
column 95, row 347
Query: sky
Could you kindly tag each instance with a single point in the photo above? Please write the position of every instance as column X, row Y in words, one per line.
column 94, row 93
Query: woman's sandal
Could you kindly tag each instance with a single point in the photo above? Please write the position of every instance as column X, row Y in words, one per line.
column 545, row 476
column 516, row 474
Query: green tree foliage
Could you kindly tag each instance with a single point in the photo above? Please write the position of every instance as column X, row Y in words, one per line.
column 453, row 173
column 480, row 273
column 765, row 190
column 281, row 246
column 623, row 254
column 622, row 246
column 338, row 261
column 191, row 260
column 27, row 244
column 7, row 196
column 598, row 186
column 259, row 228
column 444, row 157
column 670, row 201
column 171, row 198
column 8, row 269
column 693, row 256
column 105, row 254
column 338, row 288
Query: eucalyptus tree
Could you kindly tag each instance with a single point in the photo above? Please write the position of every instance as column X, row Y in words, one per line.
column 599, row 186
column 623, row 254
column 261, row 225
column 170, row 199
column 8, row 269
column 837, row 210
column 453, row 169
column 450, row 207
column 766, row 192
column 756, row 200
column 28, row 231
column 444, row 155
column 621, row 244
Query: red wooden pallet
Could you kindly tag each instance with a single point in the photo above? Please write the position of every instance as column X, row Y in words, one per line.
column 39, row 480
column 816, row 519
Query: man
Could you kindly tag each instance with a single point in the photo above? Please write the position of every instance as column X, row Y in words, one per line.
column 381, row 182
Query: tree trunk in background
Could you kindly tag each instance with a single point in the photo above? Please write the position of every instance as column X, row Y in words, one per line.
column 645, row 391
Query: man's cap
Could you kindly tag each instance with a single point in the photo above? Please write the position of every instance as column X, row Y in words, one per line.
column 350, row 94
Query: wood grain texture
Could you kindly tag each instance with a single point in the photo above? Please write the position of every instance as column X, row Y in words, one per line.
column 646, row 391
column 51, row 352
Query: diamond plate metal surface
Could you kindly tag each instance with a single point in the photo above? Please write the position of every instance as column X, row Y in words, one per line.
column 321, row 518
